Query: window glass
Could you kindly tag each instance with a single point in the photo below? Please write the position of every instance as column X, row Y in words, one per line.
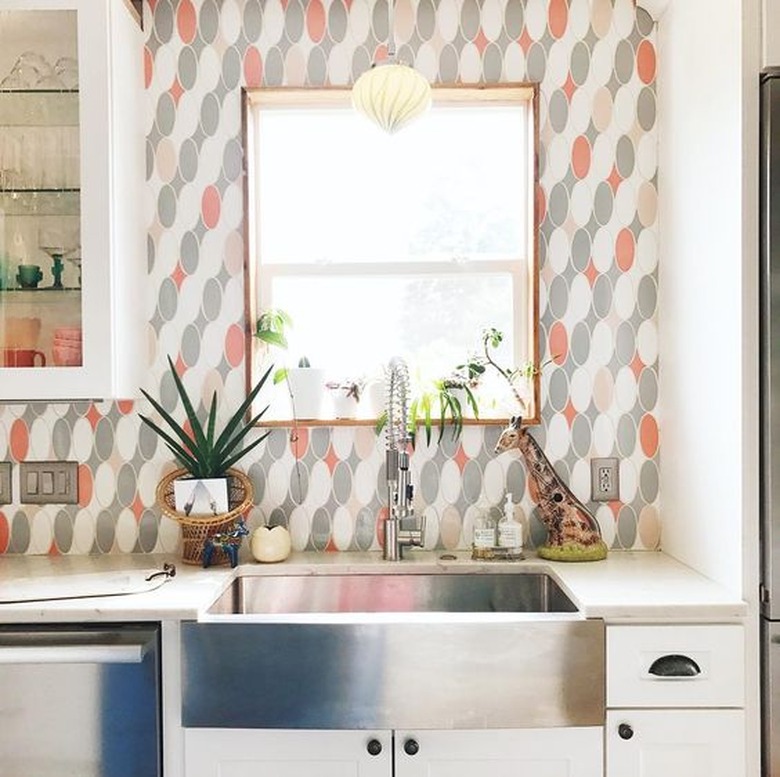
column 379, row 245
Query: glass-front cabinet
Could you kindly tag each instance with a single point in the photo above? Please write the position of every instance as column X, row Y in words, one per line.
column 71, row 170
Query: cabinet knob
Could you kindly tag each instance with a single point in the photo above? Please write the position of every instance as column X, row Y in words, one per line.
column 374, row 747
column 625, row 731
column 411, row 747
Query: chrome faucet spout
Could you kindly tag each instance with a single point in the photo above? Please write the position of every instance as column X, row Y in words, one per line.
column 400, row 491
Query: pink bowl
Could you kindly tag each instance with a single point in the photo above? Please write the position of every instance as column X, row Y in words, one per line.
column 69, row 333
column 66, row 357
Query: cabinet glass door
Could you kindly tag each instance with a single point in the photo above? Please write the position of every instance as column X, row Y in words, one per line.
column 40, row 183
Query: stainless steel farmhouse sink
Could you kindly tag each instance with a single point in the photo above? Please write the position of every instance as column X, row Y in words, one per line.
column 401, row 650
column 399, row 593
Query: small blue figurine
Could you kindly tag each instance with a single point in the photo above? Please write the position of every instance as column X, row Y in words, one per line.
column 229, row 542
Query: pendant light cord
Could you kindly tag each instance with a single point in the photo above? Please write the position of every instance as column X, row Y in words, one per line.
column 390, row 38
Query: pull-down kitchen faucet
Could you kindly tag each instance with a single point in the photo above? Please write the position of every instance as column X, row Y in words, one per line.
column 399, row 485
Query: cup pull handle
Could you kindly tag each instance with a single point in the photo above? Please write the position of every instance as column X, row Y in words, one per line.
column 674, row 665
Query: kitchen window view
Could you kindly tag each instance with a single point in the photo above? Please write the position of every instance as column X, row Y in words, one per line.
column 404, row 244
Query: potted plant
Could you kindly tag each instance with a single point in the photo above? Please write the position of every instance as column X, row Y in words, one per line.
column 200, row 451
column 436, row 402
column 519, row 379
column 305, row 384
column 307, row 388
column 345, row 396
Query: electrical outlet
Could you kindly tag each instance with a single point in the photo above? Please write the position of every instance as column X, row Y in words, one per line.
column 48, row 482
column 5, row 482
column 604, row 480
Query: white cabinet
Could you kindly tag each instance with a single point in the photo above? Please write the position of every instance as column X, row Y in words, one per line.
column 675, row 743
column 564, row 752
column 675, row 698
column 72, row 242
column 549, row 752
column 283, row 753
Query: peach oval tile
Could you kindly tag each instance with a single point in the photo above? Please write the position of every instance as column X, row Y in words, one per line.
column 647, row 203
column 450, row 528
column 601, row 17
column 602, row 109
column 649, row 527
column 603, row 389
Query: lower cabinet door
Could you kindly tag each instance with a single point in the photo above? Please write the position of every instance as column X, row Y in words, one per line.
column 675, row 743
column 284, row 753
column 550, row 752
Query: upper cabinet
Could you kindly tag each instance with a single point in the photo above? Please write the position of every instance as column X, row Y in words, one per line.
column 72, row 241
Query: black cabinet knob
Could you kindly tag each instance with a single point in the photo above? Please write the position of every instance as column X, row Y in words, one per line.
column 374, row 747
column 625, row 731
column 411, row 747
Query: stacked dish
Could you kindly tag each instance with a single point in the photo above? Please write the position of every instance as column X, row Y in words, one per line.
column 66, row 347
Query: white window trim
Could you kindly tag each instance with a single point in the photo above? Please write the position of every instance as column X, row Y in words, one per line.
column 524, row 271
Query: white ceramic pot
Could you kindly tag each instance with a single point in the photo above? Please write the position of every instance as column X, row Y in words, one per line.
column 270, row 544
column 344, row 405
column 307, row 385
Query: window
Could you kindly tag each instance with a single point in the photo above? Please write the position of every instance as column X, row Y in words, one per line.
column 409, row 244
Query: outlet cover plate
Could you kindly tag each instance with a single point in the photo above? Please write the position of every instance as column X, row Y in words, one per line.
column 604, row 479
column 5, row 482
column 48, row 482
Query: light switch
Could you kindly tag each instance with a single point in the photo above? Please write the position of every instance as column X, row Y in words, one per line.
column 49, row 482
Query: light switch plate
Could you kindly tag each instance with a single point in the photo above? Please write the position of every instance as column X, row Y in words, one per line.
column 48, row 482
column 5, row 482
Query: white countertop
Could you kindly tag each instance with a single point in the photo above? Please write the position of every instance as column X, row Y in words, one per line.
column 627, row 586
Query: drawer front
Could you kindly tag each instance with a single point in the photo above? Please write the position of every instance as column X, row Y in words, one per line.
column 675, row 666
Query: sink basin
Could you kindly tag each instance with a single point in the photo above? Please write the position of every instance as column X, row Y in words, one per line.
column 396, row 650
column 394, row 593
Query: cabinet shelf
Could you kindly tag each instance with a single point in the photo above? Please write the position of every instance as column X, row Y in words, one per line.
column 40, row 202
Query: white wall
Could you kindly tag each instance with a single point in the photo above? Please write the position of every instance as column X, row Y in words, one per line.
column 708, row 294
column 708, row 289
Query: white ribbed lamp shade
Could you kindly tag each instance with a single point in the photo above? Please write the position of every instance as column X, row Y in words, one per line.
column 391, row 95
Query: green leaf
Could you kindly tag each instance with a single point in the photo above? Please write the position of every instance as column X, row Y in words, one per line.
column 192, row 416
column 221, row 443
column 280, row 375
column 177, row 429
column 181, row 453
column 272, row 338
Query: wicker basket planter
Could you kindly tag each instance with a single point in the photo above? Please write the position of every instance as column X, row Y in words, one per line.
column 195, row 531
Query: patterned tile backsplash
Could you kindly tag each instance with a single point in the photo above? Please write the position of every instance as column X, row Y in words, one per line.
column 596, row 62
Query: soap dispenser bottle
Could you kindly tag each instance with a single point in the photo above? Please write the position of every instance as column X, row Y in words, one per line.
column 510, row 532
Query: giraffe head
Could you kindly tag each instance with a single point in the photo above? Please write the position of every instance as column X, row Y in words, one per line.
column 510, row 437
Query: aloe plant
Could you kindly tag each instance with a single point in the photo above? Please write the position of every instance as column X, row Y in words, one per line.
column 202, row 452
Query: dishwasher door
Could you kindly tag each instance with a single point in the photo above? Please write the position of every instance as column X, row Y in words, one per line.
column 80, row 701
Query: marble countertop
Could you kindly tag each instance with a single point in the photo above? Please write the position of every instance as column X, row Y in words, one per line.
column 626, row 587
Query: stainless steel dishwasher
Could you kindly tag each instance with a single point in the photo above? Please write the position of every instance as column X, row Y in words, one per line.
column 80, row 701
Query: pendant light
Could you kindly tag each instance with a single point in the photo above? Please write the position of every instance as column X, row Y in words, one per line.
column 391, row 93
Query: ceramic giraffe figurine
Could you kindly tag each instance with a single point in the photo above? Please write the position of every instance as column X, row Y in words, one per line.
column 573, row 533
